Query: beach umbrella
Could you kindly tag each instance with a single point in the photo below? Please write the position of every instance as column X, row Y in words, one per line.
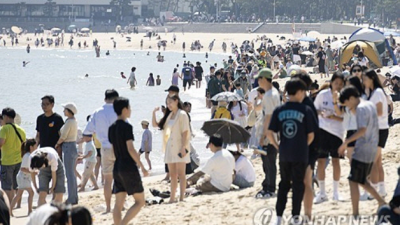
column 229, row 130
column 55, row 29
column 314, row 34
column 337, row 44
column 307, row 39
column 394, row 72
column 226, row 97
column 307, row 53
column 16, row 29
column 394, row 34
column 85, row 29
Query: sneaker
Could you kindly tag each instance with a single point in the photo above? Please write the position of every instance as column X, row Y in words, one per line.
column 364, row 197
column 264, row 195
column 295, row 221
column 337, row 197
column 320, row 198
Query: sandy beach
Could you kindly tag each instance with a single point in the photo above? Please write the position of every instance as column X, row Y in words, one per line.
column 234, row 207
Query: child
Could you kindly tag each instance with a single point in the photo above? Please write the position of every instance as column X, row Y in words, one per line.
column 296, row 124
column 122, row 75
column 24, row 176
column 127, row 179
column 146, row 142
column 150, row 80
column 239, row 90
column 90, row 163
column 365, row 149
column 158, row 80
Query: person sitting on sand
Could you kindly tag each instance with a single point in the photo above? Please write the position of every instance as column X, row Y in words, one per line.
column 58, row 213
column 245, row 175
column 220, row 167
column 90, row 163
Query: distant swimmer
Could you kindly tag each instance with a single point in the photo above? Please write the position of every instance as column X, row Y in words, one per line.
column 122, row 75
column 132, row 79
column 24, row 63
column 184, row 55
column 87, row 75
column 28, row 49
column 108, row 52
column 160, row 58
column 158, row 80
column 148, row 53
column 206, row 55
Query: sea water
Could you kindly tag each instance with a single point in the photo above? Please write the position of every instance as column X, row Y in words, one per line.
column 61, row 73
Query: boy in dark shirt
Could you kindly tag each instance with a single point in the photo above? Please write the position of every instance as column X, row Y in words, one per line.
column 296, row 124
column 127, row 179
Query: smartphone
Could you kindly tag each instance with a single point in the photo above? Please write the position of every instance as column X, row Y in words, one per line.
column 180, row 155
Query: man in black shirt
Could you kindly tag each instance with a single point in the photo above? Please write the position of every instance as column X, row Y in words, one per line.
column 48, row 125
column 296, row 124
column 198, row 74
column 127, row 178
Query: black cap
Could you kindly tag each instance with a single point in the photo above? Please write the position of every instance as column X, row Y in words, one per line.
column 111, row 94
column 173, row 88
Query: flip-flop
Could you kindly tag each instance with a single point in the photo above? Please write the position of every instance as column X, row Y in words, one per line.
column 154, row 192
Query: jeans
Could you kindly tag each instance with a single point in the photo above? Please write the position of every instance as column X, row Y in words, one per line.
column 241, row 182
column 292, row 176
column 386, row 214
column 70, row 156
column 269, row 168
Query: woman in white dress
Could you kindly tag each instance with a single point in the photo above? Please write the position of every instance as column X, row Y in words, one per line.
column 176, row 144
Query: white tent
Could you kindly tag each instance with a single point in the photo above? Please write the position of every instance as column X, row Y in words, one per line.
column 367, row 34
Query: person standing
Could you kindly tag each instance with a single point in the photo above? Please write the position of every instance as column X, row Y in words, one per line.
column 127, row 178
column 270, row 101
column 176, row 141
column 175, row 76
column 147, row 142
column 215, row 87
column 187, row 74
column 199, row 74
column 296, row 125
column 132, row 78
column 67, row 141
column 11, row 138
column 99, row 123
column 321, row 57
column 48, row 125
column 330, row 57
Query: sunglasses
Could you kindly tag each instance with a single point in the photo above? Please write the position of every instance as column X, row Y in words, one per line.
column 355, row 71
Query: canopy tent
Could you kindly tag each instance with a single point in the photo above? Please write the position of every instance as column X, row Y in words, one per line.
column 375, row 36
column 370, row 51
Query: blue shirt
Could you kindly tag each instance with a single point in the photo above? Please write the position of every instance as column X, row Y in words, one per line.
column 99, row 123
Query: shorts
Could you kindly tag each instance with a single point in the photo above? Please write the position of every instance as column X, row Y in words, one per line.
column 359, row 171
column 129, row 182
column 24, row 181
column 98, row 152
column 329, row 145
column 9, row 176
column 89, row 168
column 45, row 178
column 186, row 81
column 349, row 134
column 199, row 78
column 312, row 158
column 107, row 160
column 141, row 151
column 383, row 136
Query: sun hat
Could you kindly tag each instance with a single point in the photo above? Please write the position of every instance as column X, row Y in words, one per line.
column 145, row 122
column 71, row 106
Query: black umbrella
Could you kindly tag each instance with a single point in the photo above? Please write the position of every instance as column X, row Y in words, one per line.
column 230, row 131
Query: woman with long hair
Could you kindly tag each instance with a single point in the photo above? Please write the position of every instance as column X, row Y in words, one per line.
column 376, row 94
column 176, row 143
column 331, row 136
column 175, row 76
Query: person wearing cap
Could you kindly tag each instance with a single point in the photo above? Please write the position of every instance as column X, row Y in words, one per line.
column 11, row 138
column 173, row 90
column 271, row 100
column 67, row 141
column 147, row 142
column 99, row 123
column 215, row 87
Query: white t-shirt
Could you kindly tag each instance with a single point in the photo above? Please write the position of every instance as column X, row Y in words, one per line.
column 324, row 102
column 236, row 110
column 52, row 156
column 89, row 147
column 26, row 163
column 252, row 95
column 220, row 168
column 132, row 77
column 245, row 169
column 270, row 101
column 379, row 96
column 41, row 214
column 363, row 62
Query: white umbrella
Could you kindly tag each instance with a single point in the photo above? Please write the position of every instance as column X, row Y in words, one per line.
column 16, row 29
column 226, row 97
column 337, row 44
column 85, row 29
column 307, row 53
column 314, row 34
column 55, row 29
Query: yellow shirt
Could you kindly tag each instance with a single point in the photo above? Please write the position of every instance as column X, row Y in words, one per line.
column 97, row 143
column 11, row 150
column 69, row 131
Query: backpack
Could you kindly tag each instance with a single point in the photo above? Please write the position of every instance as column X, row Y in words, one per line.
column 223, row 112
